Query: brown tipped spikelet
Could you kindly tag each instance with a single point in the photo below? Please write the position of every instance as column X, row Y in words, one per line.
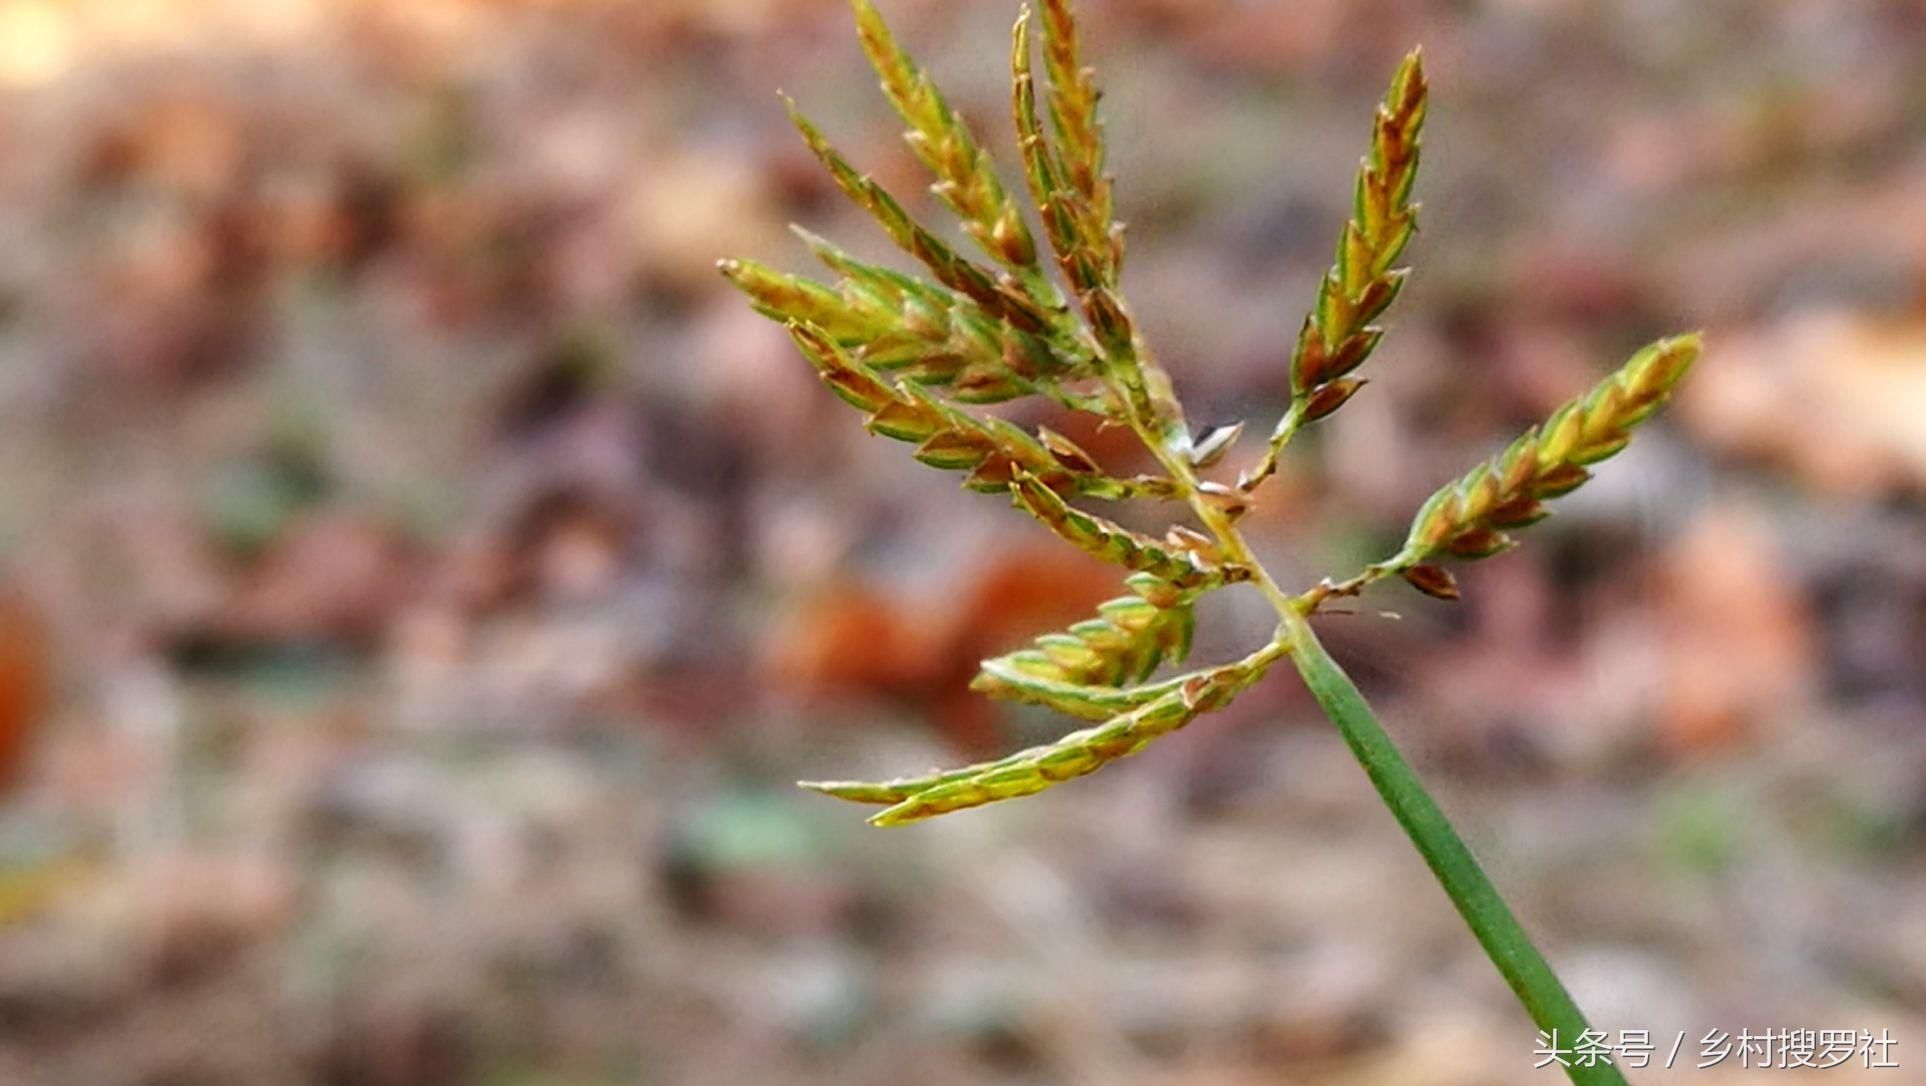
column 948, row 266
column 908, row 350
column 991, row 450
column 1066, row 176
column 1073, row 197
column 918, row 330
column 1170, row 563
column 1130, row 636
column 1074, row 755
column 1471, row 517
column 1338, row 334
column 966, row 180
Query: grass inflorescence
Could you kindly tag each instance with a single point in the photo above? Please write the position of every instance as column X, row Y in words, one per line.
column 913, row 351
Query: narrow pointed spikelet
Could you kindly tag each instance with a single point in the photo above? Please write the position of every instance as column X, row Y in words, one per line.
column 1338, row 334
column 1076, row 218
column 1041, row 170
column 916, row 329
column 965, row 178
column 991, row 450
column 1029, row 355
column 1128, row 639
column 1111, row 542
column 784, row 298
column 1030, row 771
column 1470, row 518
column 1073, row 198
column 1080, row 142
column 1001, row 679
column 917, row 337
column 950, row 268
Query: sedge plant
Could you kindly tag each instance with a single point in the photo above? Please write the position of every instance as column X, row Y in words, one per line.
column 1046, row 316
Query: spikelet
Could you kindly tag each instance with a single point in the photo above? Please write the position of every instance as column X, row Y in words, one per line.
column 966, row 180
column 991, row 450
column 952, row 269
column 916, row 329
column 1073, row 112
column 1067, row 177
column 1005, row 681
column 1337, row 336
column 1083, row 245
column 1128, row 639
column 1042, row 171
column 1472, row 517
column 1212, row 443
column 1050, row 358
column 1073, row 198
column 1173, row 563
column 1074, row 755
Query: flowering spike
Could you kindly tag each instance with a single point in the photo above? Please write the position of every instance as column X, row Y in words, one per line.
column 965, row 178
column 1153, row 713
column 1338, row 335
column 1131, row 636
column 1001, row 679
column 950, row 268
column 1111, row 542
column 992, row 450
column 1467, row 519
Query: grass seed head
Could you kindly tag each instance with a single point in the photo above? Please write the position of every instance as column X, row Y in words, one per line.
column 1362, row 283
column 1172, row 564
column 1338, row 334
column 905, row 350
column 911, row 327
column 1470, row 518
column 1128, row 639
column 1027, row 772
column 966, row 180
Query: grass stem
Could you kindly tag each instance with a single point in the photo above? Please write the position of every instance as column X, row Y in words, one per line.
column 1457, row 870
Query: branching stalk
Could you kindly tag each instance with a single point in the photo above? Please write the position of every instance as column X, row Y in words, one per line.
column 888, row 343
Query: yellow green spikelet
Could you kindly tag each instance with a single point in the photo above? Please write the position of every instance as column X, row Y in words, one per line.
column 1169, row 562
column 1339, row 334
column 1066, row 175
column 1004, row 680
column 1473, row 517
column 1027, row 772
column 1130, row 637
column 912, row 328
column 966, row 179
column 999, row 298
column 1073, row 196
column 991, row 450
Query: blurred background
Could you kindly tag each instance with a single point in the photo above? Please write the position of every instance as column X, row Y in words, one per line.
column 423, row 579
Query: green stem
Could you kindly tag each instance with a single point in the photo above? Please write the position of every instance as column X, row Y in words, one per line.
column 1498, row 931
column 1490, row 919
